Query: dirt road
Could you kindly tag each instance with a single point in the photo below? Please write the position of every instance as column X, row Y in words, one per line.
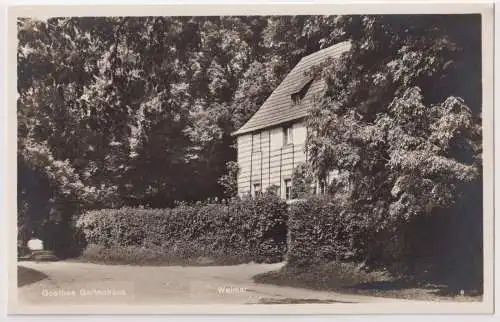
column 84, row 283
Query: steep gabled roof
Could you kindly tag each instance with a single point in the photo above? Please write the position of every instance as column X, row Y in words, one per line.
column 279, row 108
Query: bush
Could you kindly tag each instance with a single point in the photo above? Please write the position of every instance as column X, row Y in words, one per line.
column 301, row 182
column 243, row 229
column 324, row 229
column 444, row 246
column 63, row 238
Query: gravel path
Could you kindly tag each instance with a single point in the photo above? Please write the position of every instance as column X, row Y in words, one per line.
column 85, row 283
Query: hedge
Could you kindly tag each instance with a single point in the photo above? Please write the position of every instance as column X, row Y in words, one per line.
column 251, row 229
column 444, row 245
column 322, row 230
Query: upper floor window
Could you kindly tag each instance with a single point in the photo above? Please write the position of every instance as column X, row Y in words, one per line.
column 256, row 142
column 287, row 135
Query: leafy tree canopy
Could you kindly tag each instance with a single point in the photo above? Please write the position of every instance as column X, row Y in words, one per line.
column 401, row 113
column 139, row 110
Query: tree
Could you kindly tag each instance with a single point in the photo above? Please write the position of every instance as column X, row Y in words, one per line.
column 57, row 59
column 398, row 118
column 380, row 117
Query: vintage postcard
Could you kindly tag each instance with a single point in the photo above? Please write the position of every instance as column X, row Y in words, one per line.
column 251, row 159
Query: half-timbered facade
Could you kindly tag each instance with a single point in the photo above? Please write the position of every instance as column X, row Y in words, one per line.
column 272, row 142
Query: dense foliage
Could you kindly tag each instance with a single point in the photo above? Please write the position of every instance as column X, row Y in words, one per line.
column 240, row 230
column 436, row 248
column 128, row 111
column 401, row 120
column 229, row 181
column 398, row 116
column 302, row 181
column 323, row 229
column 137, row 111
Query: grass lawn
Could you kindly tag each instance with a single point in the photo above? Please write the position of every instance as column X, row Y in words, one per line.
column 26, row 276
column 348, row 278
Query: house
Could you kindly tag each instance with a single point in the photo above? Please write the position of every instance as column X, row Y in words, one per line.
column 272, row 142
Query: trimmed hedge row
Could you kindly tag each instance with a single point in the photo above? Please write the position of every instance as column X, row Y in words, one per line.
column 322, row 229
column 444, row 246
column 244, row 229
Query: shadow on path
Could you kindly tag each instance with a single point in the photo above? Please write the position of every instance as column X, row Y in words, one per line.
column 298, row 301
column 26, row 276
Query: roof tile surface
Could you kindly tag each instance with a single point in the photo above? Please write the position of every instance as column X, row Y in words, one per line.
column 279, row 108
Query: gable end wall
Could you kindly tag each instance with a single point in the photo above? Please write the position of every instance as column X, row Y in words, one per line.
column 262, row 158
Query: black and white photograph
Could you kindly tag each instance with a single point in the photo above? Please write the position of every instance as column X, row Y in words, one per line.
column 251, row 160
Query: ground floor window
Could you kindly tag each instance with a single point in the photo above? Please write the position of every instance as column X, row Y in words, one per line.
column 257, row 189
column 288, row 188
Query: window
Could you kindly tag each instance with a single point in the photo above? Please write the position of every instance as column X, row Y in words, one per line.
column 256, row 142
column 287, row 135
column 296, row 98
column 301, row 91
column 257, row 189
column 288, row 188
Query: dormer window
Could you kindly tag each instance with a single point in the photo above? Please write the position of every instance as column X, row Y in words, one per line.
column 301, row 91
column 296, row 98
